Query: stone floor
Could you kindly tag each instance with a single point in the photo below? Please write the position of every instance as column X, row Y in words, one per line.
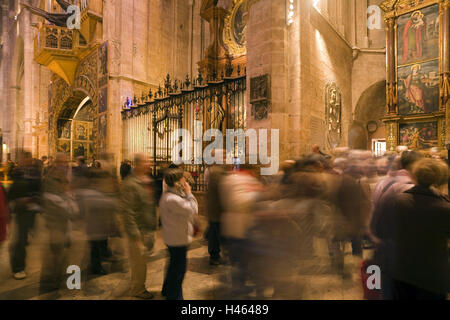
column 202, row 281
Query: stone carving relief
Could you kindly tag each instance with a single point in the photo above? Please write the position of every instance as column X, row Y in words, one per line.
column 333, row 101
column 260, row 97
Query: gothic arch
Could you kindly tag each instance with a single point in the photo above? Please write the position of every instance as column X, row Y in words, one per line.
column 371, row 107
column 65, row 96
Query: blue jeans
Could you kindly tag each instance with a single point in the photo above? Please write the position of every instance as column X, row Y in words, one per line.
column 173, row 282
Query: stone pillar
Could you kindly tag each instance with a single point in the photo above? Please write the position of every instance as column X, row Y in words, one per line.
column 391, row 85
column 28, row 89
column 267, row 50
column 5, row 75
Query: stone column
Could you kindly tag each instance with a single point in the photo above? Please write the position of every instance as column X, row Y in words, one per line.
column 267, row 50
column 5, row 75
column 28, row 82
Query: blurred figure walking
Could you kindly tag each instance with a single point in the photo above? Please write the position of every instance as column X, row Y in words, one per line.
column 98, row 206
column 179, row 209
column 216, row 174
column 59, row 209
column 397, row 181
column 242, row 189
column 137, row 208
column 125, row 169
column 24, row 197
column 4, row 215
column 414, row 228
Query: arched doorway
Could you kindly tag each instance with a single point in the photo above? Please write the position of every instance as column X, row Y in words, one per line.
column 75, row 127
column 367, row 127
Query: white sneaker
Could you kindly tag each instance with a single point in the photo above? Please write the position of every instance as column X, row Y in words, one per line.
column 20, row 275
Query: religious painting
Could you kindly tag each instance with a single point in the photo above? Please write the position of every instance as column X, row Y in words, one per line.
column 64, row 129
column 239, row 26
column 102, row 131
column 333, row 104
column 418, row 88
column 63, row 146
column 418, row 35
column 235, row 28
column 103, row 57
column 103, row 100
column 80, row 149
column 420, row 135
column 103, row 65
column 81, row 131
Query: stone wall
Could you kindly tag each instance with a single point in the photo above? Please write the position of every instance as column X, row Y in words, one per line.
column 330, row 43
column 148, row 40
column 326, row 57
column 301, row 59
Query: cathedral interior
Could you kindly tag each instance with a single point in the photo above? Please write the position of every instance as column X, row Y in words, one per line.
column 304, row 59
column 108, row 79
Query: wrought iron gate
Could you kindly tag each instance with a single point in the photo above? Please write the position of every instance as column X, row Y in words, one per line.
column 149, row 121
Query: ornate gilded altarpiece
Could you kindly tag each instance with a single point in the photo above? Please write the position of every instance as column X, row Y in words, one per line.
column 418, row 65
column 91, row 80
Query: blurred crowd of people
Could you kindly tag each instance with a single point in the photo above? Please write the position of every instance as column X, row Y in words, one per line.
column 395, row 207
column 91, row 198
column 267, row 228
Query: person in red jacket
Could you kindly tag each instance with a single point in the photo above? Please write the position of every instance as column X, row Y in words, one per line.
column 4, row 214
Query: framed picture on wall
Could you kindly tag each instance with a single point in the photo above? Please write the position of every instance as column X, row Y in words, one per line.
column 419, row 135
column 418, row 35
column 80, row 149
column 418, row 88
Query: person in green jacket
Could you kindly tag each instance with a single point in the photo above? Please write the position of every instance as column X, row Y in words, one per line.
column 139, row 219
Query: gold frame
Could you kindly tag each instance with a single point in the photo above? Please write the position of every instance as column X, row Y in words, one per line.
column 393, row 120
column 228, row 35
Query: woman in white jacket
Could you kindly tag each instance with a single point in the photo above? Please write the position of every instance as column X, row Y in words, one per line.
column 178, row 209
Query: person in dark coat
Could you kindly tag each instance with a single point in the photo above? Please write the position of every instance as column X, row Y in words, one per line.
column 125, row 169
column 4, row 214
column 215, row 209
column 24, row 195
column 414, row 227
column 98, row 205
